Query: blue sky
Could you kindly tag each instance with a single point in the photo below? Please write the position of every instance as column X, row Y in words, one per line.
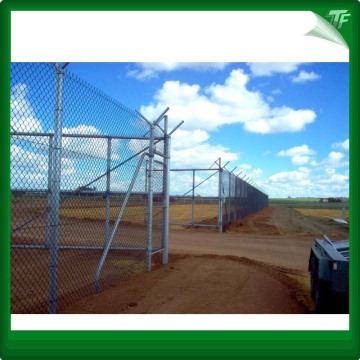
column 283, row 125
column 286, row 125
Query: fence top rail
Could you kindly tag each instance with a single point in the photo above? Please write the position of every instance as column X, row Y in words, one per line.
column 198, row 169
column 85, row 193
column 39, row 134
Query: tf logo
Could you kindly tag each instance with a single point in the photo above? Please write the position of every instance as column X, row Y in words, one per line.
column 338, row 17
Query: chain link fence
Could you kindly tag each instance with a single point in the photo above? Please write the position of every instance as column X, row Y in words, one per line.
column 239, row 198
column 215, row 197
column 89, row 189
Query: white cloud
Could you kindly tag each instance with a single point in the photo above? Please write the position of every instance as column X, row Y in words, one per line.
column 146, row 71
column 268, row 68
column 300, row 160
column 300, row 174
column 335, row 156
column 276, row 92
column 341, row 145
column 244, row 167
column 300, row 155
column 29, row 168
column 188, row 139
column 297, row 150
column 330, row 171
column 136, row 145
column 87, row 147
column 322, row 180
column 335, row 179
column 256, row 173
column 144, row 74
column 334, row 159
column 303, row 183
column 172, row 66
column 201, row 155
column 305, row 76
column 228, row 103
column 246, row 170
column 189, row 148
column 281, row 120
column 181, row 183
column 22, row 114
column 23, row 160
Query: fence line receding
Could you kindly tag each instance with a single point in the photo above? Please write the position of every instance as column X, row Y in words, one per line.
column 216, row 196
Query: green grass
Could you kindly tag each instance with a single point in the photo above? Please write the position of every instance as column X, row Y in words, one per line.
column 313, row 203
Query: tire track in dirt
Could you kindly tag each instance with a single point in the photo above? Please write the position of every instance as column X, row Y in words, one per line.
column 290, row 221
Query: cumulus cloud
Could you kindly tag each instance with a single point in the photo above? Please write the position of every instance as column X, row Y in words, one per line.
column 244, row 167
column 282, row 119
column 301, row 186
column 143, row 74
column 227, row 103
column 22, row 114
column 335, row 179
column 334, row 159
column 80, row 147
column 269, row 68
column 256, row 173
column 300, row 174
column 323, row 179
column 189, row 148
column 201, row 155
column 29, row 168
column 300, row 155
column 181, row 183
column 188, row 139
column 246, row 170
column 147, row 71
column 304, row 77
column 341, row 145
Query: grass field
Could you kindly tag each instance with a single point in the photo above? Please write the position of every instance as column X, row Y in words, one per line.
column 136, row 214
column 324, row 213
column 311, row 203
column 203, row 213
column 133, row 214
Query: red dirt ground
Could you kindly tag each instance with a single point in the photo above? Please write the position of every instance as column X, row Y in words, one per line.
column 257, row 266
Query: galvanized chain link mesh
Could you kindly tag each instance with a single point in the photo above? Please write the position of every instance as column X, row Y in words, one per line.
column 200, row 200
column 101, row 148
column 211, row 204
column 240, row 199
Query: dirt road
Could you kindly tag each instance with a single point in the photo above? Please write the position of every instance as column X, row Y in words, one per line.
column 275, row 235
column 258, row 265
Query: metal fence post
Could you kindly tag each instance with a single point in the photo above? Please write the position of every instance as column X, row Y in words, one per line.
column 229, row 201
column 193, row 198
column 150, row 200
column 166, row 192
column 54, row 191
column 235, row 199
column 49, row 214
column 220, row 203
column 107, row 199
column 146, row 191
